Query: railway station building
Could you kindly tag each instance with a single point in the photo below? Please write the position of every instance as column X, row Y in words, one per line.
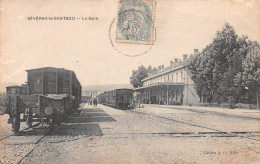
column 169, row 86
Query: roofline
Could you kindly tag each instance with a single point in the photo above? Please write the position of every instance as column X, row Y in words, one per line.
column 48, row 67
column 123, row 88
column 13, row 86
column 165, row 71
column 160, row 84
column 56, row 69
column 22, row 85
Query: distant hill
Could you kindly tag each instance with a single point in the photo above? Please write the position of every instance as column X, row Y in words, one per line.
column 106, row 87
column 86, row 90
column 97, row 89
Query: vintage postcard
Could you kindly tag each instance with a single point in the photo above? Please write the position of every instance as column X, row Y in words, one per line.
column 129, row 81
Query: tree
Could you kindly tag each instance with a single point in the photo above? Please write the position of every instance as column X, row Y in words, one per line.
column 201, row 67
column 249, row 77
column 138, row 75
column 214, row 70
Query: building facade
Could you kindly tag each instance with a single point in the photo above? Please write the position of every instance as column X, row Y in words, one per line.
column 169, row 86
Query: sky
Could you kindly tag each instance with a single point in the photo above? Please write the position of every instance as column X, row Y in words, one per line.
column 85, row 47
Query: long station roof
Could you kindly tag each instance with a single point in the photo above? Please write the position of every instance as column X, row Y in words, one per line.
column 160, row 84
column 165, row 70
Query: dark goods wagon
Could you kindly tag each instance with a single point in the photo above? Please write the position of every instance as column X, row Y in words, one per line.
column 49, row 80
column 110, row 99
column 118, row 98
column 101, row 98
column 52, row 108
column 123, row 98
column 50, row 94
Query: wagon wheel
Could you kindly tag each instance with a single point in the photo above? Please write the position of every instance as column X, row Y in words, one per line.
column 16, row 123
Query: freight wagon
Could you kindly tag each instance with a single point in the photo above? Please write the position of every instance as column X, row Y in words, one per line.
column 118, row 98
column 101, row 98
column 53, row 108
column 50, row 94
column 49, row 80
column 85, row 99
column 20, row 90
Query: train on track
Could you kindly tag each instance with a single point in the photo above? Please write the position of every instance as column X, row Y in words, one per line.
column 118, row 98
column 50, row 95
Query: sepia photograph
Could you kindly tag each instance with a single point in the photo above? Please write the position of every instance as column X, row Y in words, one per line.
column 129, row 81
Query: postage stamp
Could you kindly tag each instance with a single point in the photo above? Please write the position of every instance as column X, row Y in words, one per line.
column 135, row 21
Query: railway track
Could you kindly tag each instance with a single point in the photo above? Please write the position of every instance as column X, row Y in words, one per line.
column 44, row 132
column 36, row 145
column 40, row 140
column 13, row 134
column 214, row 135
column 212, row 112
column 216, row 132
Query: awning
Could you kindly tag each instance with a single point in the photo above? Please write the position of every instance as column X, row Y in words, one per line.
column 159, row 84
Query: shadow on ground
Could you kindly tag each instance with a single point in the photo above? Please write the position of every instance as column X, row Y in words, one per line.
column 84, row 122
column 73, row 130
column 91, row 115
column 35, row 131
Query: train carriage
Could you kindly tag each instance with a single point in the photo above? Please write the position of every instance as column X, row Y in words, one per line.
column 123, row 98
column 101, row 98
column 118, row 98
column 54, row 108
column 109, row 98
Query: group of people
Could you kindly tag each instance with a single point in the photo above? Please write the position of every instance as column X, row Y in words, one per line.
column 94, row 102
column 135, row 104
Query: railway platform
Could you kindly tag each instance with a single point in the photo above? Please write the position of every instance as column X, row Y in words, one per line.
column 243, row 113
column 152, row 134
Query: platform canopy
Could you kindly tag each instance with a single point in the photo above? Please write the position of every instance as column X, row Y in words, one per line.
column 159, row 85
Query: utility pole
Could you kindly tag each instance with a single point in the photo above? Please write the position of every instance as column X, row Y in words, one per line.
column 187, row 86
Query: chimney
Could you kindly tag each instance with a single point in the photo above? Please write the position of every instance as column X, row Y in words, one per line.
column 175, row 60
column 162, row 66
column 171, row 64
column 185, row 56
column 196, row 51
